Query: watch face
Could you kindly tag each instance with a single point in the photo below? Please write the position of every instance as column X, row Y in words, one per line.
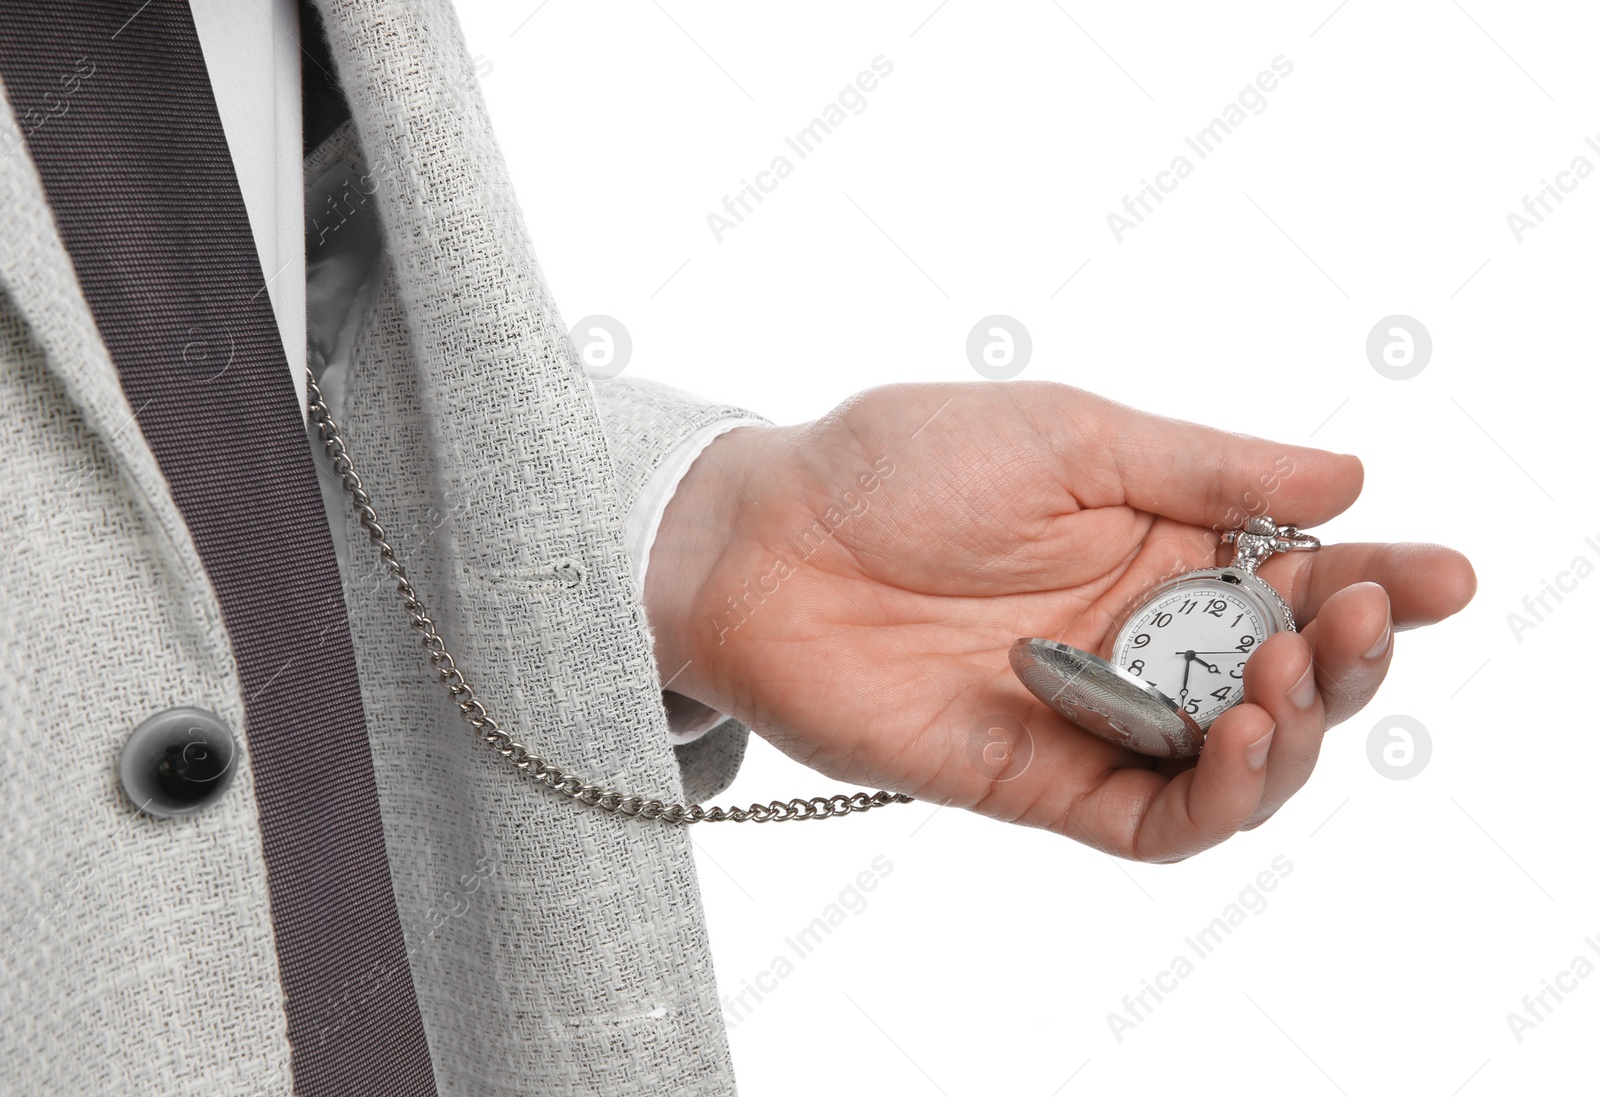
column 1191, row 641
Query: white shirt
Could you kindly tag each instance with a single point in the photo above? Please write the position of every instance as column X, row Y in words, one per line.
column 252, row 53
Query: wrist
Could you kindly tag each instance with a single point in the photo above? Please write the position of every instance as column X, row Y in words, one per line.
column 697, row 535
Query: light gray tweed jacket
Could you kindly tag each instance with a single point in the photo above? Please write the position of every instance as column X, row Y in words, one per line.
column 554, row 949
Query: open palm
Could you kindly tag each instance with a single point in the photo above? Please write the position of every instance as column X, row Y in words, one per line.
column 878, row 563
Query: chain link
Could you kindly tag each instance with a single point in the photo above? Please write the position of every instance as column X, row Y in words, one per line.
column 488, row 730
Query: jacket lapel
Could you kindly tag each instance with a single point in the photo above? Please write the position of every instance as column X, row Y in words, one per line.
column 36, row 273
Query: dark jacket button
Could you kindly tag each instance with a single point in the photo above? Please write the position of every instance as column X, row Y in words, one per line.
column 178, row 762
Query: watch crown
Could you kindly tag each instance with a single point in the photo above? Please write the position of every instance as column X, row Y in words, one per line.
column 1260, row 537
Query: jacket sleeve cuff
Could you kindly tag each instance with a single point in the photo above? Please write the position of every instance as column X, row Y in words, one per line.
column 687, row 720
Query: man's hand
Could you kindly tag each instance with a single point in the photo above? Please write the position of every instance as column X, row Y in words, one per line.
column 849, row 588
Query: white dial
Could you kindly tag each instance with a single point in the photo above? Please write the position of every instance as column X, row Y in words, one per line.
column 1191, row 643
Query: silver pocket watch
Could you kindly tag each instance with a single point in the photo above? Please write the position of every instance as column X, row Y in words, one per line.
column 1178, row 660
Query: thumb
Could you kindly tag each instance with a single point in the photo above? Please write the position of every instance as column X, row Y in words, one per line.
column 1116, row 455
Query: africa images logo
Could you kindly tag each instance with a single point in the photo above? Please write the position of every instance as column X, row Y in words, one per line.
column 853, row 98
column 1253, row 98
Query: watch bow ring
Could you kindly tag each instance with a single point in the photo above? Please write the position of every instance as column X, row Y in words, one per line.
column 1177, row 662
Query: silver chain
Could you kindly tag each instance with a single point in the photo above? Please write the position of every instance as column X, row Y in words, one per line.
column 488, row 730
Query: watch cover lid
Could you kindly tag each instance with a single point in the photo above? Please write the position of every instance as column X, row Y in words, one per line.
column 1102, row 698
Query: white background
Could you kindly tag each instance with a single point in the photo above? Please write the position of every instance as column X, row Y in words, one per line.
column 1377, row 181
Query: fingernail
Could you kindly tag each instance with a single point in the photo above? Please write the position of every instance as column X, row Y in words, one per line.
column 1383, row 641
column 1305, row 690
column 1255, row 755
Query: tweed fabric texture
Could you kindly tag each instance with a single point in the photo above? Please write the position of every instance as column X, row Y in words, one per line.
column 554, row 950
column 171, row 273
column 122, row 937
column 516, row 904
